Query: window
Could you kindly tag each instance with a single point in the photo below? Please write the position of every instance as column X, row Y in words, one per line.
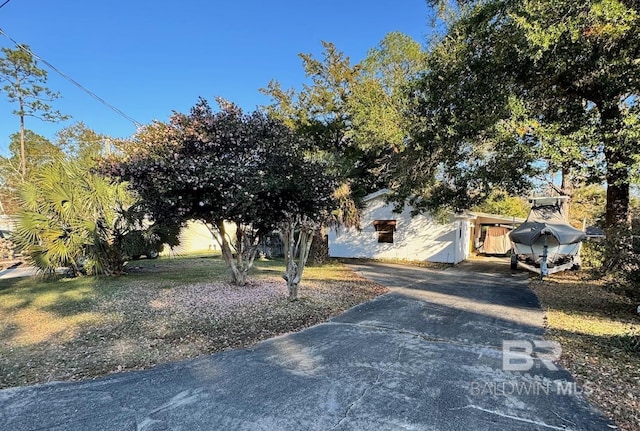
column 385, row 229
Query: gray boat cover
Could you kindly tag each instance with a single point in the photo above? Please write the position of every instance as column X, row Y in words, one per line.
column 529, row 232
column 546, row 220
column 547, row 214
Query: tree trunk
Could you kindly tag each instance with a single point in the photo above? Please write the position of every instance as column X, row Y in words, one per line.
column 319, row 254
column 238, row 275
column 619, row 248
column 246, row 249
column 618, row 168
column 23, row 156
column 296, row 251
column 617, row 210
column 293, row 291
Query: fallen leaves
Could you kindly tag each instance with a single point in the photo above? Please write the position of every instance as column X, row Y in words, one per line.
column 161, row 317
column 598, row 332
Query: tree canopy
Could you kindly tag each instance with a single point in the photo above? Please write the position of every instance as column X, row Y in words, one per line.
column 247, row 169
column 563, row 75
column 357, row 114
column 25, row 85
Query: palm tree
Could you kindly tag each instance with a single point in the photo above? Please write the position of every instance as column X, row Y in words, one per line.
column 71, row 217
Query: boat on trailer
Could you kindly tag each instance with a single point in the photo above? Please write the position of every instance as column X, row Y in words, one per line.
column 546, row 243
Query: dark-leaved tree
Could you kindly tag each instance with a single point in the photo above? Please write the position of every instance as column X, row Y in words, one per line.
column 241, row 174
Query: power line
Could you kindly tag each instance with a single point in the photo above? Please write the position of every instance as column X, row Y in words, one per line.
column 2, row 5
column 68, row 78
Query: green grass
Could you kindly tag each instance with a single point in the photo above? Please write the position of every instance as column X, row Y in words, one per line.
column 599, row 331
column 163, row 310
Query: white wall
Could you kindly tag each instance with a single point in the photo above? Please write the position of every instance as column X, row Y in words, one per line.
column 194, row 238
column 415, row 238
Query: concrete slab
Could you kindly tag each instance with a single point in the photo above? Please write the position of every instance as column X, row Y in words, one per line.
column 424, row 357
column 18, row 272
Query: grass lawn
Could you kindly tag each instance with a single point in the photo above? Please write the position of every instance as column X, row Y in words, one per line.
column 599, row 331
column 164, row 310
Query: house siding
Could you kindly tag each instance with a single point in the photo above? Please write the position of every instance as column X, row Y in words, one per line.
column 194, row 237
column 419, row 238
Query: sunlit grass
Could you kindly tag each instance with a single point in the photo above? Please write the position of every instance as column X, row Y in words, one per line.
column 331, row 271
column 164, row 310
column 35, row 326
column 33, row 311
column 587, row 324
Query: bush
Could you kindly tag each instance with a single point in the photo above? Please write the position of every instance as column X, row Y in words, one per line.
column 70, row 218
column 592, row 254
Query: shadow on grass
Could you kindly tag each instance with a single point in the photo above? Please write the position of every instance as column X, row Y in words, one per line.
column 611, row 346
column 10, row 283
column 586, row 296
column 63, row 297
column 125, row 329
column 8, row 331
column 609, row 367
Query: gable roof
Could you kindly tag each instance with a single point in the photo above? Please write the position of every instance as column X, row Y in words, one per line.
column 376, row 195
column 470, row 215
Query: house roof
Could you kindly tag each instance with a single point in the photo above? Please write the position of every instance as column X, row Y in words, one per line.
column 474, row 215
column 376, row 195
column 486, row 218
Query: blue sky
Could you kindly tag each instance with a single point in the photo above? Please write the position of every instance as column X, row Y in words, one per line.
column 149, row 58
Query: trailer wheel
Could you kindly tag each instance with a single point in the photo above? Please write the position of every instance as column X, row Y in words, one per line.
column 514, row 260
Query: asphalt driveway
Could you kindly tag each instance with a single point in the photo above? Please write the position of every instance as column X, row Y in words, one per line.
column 427, row 356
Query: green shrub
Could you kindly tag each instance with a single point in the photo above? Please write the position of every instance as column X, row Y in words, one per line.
column 592, row 254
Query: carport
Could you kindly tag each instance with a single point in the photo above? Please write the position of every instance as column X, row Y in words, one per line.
column 490, row 232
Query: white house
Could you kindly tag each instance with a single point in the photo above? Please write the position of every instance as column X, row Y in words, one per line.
column 194, row 238
column 385, row 234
